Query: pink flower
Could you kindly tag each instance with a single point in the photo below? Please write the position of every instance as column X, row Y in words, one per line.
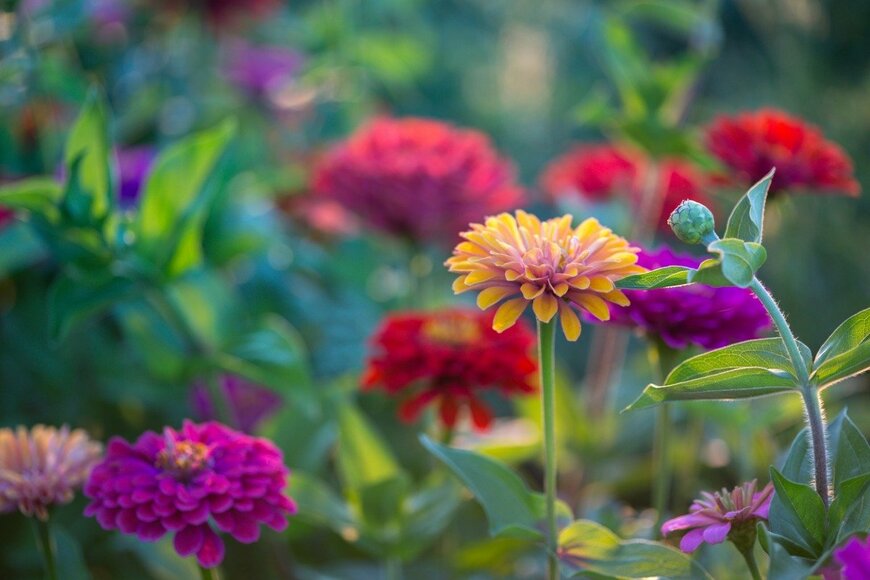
column 721, row 515
column 850, row 562
column 183, row 481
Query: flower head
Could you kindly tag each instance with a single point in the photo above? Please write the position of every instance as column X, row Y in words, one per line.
column 418, row 178
column 551, row 264
column 183, row 481
column 42, row 467
column 722, row 515
column 751, row 143
column 248, row 403
column 599, row 173
column 701, row 315
column 447, row 358
column 854, row 559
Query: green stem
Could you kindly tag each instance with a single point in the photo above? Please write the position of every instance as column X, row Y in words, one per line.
column 209, row 573
column 393, row 569
column 812, row 402
column 661, row 356
column 749, row 556
column 547, row 364
column 46, row 547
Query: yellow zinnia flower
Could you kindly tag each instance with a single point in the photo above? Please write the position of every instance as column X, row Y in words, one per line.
column 550, row 264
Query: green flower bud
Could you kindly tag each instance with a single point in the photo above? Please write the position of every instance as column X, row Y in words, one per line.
column 692, row 222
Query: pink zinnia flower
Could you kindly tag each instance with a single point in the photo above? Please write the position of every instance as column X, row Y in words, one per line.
column 42, row 467
column 184, row 480
column 850, row 562
column 721, row 515
column 420, row 179
column 751, row 143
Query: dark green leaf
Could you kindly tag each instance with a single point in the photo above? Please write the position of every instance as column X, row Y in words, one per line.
column 19, row 247
column 798, row 465
column 782, row 563
column 73, row 300
column 746, row 221
column 797, row 513
column 849, row 335
column 667, row 277
column 839, row 368
column 739, row 260
column 88, row 146
column 851, row 453
column 586, row 546
column 70, row 559
column 737, row 383
column 509, row 505
column 767, row 353
column 37, row 194
column 848, row 502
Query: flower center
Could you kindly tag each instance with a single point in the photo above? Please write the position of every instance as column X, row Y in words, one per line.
column 452, row 330
column 184, row 458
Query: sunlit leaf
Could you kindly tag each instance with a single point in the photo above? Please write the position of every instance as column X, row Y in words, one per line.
column 88, row 145
column 36, row 194
column 746, row 221
column 667, row 277
column 739, row 260
column 799, row 513
column 767, row 353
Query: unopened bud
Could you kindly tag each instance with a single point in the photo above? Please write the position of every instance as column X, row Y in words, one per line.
column 692, row 222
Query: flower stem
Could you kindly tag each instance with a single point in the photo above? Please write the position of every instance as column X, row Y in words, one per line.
column 749, row 556
column 209, row 573
column 661, row 357
column 812, row 402
column 46, row 547
column 547, row 364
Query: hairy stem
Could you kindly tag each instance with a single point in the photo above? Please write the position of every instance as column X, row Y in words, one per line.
column 547, row 363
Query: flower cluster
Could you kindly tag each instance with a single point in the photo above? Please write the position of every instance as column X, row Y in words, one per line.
column 722, row 515
column 248, row 403
column 551, row 264
column 42, row 467
column 599, row 173
column 751, row 143
column 447, row 358
column 691, row 315
column 417, row 178
column 183, row 480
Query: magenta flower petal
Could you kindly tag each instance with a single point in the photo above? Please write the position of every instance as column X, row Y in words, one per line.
column 692, row 540
column 212, row 551
column 854, row 558
column 189, row 540
column 717, row 533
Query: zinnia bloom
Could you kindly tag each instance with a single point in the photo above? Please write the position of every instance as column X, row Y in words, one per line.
column 42, row 467
column 751, row 143
column 854, row 560
column 717, row 516
column 417, row 178
column 448, row 358
column 600, row 173
column 551, row 264
column 183, row 481
column 248, row 403
column 701, row 315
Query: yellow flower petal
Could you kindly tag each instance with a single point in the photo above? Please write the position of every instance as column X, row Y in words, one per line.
column 508, row 313
column 531, row 291
column 591, row 304
column 570, row 322
column 478, row 276
column 459, row 285
column 545, row 307
column 491, row 295
column 600, row 284
column 617, row 297
column 560, row 289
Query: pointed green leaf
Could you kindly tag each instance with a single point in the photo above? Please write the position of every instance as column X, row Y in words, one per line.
column 737, row 383
column 586, row 546
column 318, row 504
column 36, row 194
column 798, row 465
column 72, row 301
column 739, row 260
column 850, row 450
column 849, row 335
column 88, row 144
column 839, row 368
column 667, row 277
column 746, row 221
column 782, row 563
column 364, row 459
column 709, row 273
column 767, row 353
column 509, row 505
column 848, row 502
column 797, row 513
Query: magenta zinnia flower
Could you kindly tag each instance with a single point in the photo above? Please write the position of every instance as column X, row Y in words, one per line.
column 42, row 467
column 851, row 562
column 184, row 480
column 721, row 515
column 701, row 315
column 420, row 179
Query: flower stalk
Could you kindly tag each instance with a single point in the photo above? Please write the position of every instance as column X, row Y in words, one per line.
column 749, row 557
column 546, row 356
column 46, row 547
column 209, row 573
column 662, row 358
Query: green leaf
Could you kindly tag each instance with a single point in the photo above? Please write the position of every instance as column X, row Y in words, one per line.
column 798, row 465
column 853, row 332
column 737, row 383
column 851, row 452
column 739, row 260
column 72, row 300
column 709, row 273
column 363, row 457
column 746, row 221
column 782, row 563
column 767, row 353
column 797, row 513
column 88, row 146
column 509, row 505
column 19, row 247
column 273, row 355
column 667, row 277
column 37, row 194
column 69, row 555
column 586, row 546
column 839, row 368
column 318, row 504
column 169, row 221
column 848, row 502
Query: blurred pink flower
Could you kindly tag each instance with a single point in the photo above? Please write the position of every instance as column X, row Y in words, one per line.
column 248, row 403
column 260, row 69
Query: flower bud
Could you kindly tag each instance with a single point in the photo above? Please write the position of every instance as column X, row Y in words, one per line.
column 692, row 222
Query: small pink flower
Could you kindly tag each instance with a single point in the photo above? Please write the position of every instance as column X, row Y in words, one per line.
column 719, row 515
column 851, row 562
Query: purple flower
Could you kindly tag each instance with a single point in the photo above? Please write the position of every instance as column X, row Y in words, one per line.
column 133, row 166
column 248, row 403
column 183, row 481
column 722, row 515
column 853, row 560
column 701, row 315
column 259, row 70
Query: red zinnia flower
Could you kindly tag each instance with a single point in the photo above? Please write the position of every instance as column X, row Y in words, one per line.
column 751, row 143
column 448, row 357
column 418, row 178
column 599, row 173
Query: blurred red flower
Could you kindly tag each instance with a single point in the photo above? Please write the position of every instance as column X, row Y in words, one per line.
column 750, row 144
column 418, row 178
column 6, row 216
column 599, row 173
column 447, row 358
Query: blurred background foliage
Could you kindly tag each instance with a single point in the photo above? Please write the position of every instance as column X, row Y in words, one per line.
column 290, row 305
